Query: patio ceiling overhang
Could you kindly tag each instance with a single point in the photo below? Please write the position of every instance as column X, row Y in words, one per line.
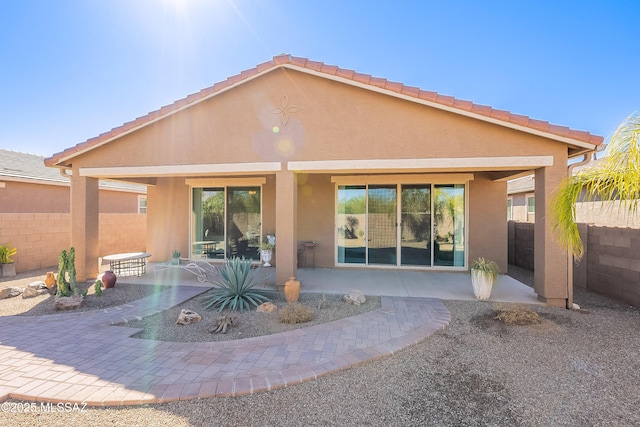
column 498, row 168
column 147, row 174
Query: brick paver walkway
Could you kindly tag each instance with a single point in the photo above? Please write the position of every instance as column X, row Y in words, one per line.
column 80, row 357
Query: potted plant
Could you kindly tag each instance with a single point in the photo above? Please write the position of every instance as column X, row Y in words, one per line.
column 175, row 257
column 7, row 267
column 266, row 249
column 483, row 275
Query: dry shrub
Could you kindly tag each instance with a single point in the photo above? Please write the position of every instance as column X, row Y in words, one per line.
column 518, row 316
column 295, row 313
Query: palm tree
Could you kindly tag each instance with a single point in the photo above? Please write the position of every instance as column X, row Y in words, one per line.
column 616, row 176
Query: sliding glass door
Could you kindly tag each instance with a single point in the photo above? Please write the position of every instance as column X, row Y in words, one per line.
column 352, row 208
column 414, row 225
column 226, row 222
column 415, row 241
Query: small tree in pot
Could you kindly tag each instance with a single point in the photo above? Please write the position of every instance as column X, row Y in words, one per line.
column 266, row 249
column 484, row 274
column 7, row 267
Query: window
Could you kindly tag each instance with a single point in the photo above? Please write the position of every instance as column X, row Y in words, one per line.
column 531, row 208
column 226, row 222
column 509, row 209
column 142, row 204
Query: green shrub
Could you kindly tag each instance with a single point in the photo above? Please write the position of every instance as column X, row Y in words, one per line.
column 295, row 313
column 235, row 287
column 6, row 252
column 486, row 266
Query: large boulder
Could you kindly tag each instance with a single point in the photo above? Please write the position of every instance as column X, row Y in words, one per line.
column 69, row 303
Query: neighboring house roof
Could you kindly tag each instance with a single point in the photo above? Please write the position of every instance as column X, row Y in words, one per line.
column 24, row 167
column 578, row 138
column 526, row 184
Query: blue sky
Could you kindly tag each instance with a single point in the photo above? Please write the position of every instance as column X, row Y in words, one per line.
column 72, row 69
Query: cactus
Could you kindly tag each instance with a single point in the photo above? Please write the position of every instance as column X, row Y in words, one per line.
column 67, row 267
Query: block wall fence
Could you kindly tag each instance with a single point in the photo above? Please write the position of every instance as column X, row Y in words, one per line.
column 610, row 265
column 40, row 237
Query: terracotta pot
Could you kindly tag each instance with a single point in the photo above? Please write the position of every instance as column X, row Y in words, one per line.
column 292, row 290
column 109, row 279
column 50, row 280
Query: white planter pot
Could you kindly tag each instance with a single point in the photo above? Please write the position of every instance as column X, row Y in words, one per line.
column 482, row 284
column 265, row 255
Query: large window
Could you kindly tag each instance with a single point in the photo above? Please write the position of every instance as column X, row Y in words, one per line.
column 396, row 225
column 226, row 222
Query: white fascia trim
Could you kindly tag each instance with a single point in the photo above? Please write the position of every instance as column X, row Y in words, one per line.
column 444, row 107
column 182, row 170
column 456, row 163
column 40, row 181
column 431, row 178
column 225, row 182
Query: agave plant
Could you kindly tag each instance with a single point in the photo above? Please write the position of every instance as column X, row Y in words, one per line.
column 617, row 176
column 235, row 287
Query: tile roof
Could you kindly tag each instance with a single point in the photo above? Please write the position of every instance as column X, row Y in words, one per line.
column 15, row 165
column 303, row 64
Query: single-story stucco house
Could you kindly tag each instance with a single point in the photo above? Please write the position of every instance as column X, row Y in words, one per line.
column 377, row 174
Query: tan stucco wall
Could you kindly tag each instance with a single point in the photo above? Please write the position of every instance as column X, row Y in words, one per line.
column 316, row 216
column 34, row 198
column 334, row 121
column 40, row 237
column 487, row 227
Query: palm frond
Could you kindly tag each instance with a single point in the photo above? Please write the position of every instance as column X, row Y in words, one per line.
column 615, row 177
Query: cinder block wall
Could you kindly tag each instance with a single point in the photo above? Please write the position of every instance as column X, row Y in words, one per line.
column 613, row 263
column 40, row 237
column 521, row 244
column 610, row 265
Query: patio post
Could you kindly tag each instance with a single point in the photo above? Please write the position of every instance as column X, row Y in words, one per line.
column 550, row 260
column 286, row 226
column 84, row 225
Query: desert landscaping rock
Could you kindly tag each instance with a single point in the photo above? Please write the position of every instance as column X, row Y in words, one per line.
column 267, row 307
column 188, row 317
column 355, row 297
column 69, row 303
column 11, row 292
column 32, row 292
column 38, row 284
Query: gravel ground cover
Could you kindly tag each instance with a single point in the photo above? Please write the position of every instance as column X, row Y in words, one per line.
column 247, row 324
column 571, row 369
column 44, row 304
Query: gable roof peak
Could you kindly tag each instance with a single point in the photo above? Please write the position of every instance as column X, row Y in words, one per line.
column 434, row 99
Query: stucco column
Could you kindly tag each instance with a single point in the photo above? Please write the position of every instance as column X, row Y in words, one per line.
column 550, row 260
column 84, row 225
column 286, row 226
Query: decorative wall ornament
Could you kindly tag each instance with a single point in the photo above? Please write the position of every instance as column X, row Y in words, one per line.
column 285, row 109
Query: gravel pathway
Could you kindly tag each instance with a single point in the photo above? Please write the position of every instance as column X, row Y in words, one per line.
column 572, row 369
